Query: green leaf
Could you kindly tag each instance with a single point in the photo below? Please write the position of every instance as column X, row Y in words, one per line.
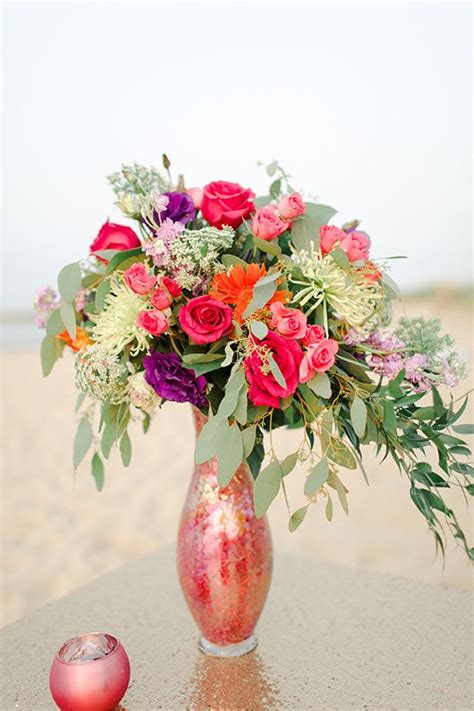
column 438, row 403
column 339, row 453
column 230, row 260
column 228, row 404
column 329, row 509
column 464, row 429
column 470, row 489
column 248, row 439
column 102, row 291
column 359, row 416
column 340, row 257
column 54, row 324
column 206, row 442
column 82, row 441
column 390, row 285
column 424, row 413
column 69, row 281
column 230, row 452
column 262, row 200
column 320, row 385
column 289, row 463
column 262, row 292
column 125, row 449
column 98, row 471
column 276, row 372
column 80, row 399
column 272, row 168
column 236, row 380
column 120, row 257
column 255, row 458
column 297, row 518
column 275, row 189
column 389, row 418
column 240, row 412
column 263, row 245
column 51, row 350
column 266, row 487
column 68, row 317
column 340, row 489
column 201, row 368
column 259, row 329
column 108, row 438
column 317, row 478
column 192, row 358
column 320, row 214
column 304, row 231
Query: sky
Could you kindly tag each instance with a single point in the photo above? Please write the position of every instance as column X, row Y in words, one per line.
column 368, row 106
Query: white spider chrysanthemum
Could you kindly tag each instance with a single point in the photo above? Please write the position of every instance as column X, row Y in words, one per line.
column 352, row 297
column 116, row 326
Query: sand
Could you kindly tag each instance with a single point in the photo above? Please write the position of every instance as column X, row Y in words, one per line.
column 59, row 533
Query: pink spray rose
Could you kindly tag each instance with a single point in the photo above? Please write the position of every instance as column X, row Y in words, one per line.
column 196, row 196
column 266, row 224
column 263, row 388
column 154, row 322
column 172, row 287
column 205, row 320
column 138, row 279
column 318, row 358
column 160, row 299
column 291, row 206
column 330, row 237
column 356, row 245
column 313, row 334
column 290, row 323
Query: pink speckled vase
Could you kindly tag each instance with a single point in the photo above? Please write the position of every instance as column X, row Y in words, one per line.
column 224, row 558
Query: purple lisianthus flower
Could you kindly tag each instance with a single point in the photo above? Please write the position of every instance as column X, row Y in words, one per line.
column 172, row 381
column 180, row 208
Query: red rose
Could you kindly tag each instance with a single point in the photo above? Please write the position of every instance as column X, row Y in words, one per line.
column 264, row 389
column 205, row 320
column 226, row 203
column 171, row 287
column 112, row 236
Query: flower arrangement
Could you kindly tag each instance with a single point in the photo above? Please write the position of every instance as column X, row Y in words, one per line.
column 263, row 315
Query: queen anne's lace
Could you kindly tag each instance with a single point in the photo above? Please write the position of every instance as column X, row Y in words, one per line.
column 100, row 375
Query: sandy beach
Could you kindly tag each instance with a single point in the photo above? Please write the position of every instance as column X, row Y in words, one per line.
column 59, row 533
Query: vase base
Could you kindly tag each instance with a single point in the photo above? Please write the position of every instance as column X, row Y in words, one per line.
column 230, row 650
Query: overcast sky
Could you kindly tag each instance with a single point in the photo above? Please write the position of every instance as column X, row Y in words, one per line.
column 367, row 105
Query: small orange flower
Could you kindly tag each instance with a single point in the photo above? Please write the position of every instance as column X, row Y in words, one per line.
column 76, row 344
column 236, row 287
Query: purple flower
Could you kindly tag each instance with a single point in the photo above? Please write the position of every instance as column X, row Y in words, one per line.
column 168, row 377
column 180, row 208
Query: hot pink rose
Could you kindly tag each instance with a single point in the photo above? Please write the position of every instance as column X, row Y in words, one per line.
column 266, row 224
column 225, row 203
column 291, row 206
column 263, row 388
column 290, row 323
column 160, row 299
column 330, row 237
column 138, row 279
column 154, row 322
column 112, row 236
column 318, row 358
column 356, row 245
column 313, row 334
column 196, row 196
column 171, row 287
column 205, row 320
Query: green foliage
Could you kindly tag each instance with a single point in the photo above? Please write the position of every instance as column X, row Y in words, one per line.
column 262, row 293
column 318, row 476
column 69, row 281
column 297, row 518
column 68, row 317
column 82, row 441
column 229, row 451
column 266, row 487
column 51, row 350
column 97, row 466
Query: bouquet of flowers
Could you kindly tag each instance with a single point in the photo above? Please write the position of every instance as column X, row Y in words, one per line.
column 263, row 315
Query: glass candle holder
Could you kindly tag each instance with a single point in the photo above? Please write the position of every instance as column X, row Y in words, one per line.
column 89, row 673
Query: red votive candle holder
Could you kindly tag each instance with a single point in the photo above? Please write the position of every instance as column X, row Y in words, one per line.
column 89, row 673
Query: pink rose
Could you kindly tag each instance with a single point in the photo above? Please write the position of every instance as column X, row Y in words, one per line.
column 113, row 236
column 225, row 203
column 196, row 196
column 205, row 320
column 290, row 323
column 356, row 245
column 138, row 280
column 263, row 388
column 313, row 334
column 171, row 287
column 160, row 299
column 318, row 358
column 330, row 237
column 266, row 224
column 154, row 322
column 291, row 206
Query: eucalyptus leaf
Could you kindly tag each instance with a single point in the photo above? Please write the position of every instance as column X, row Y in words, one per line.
column 51, row 350
column 464, row 429
column 228, row 404
column 230, row 260
column 316, row 478
column 125, row 449
column 339, row 453
column 276, row 372
column 69, row 281
column 68, row 317
column 102, row 290
column 259, row 329
column 207, row 440
column 248, row 439
column 359, row 416
column 289, row 463
column 329, row 509
column 266, row 487
column 262, row 293
column 236, row 380
column 229, row 356
column 120, row 257
column 263, row 245
column 340, row 257
column 230, row 453
column 108, row 438
column 320, row 385
column 192, row 358
column 98, row 471
column 320, row 214
column 389, row 417
column 54, row 324
column 240, row 412
column 297, row 518
column 341, row 491
column 82, row 441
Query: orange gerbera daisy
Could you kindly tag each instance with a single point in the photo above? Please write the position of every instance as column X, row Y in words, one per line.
column 80, row 341
column 235, row 287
